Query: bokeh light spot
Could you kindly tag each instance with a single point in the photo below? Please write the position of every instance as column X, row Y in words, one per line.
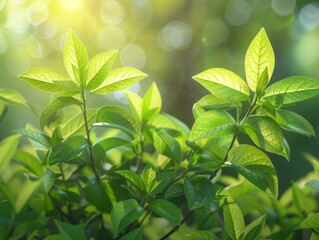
column 47, row 30
column 237, row 12
column 133, row 55
column 70, row 4
column 111, row 12
column 3, row 44
column 309, row 16
column 35, row 48
column 17, row 21
column 140, row 2
column 283, row 7
column 175, row 35
column 215, row 32
column 37, row 13
column 110, row 38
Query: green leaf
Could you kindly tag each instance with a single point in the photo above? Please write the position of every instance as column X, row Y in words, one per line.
column 262, row 83
column 96, row 195
column 254, row 229
column 29, row 161
column 76, row 123
column 291, row 90
column 135, row 102
column 10, row 96
column 34, row 135
column 259, row 56
column 99, row 67
column 234, row 219
column 311, row 222
column 54, row 106
column 316, row 167
column 201, row 235
column 152, row 103
column 48, row 180
column 76, row 59
column 136, row 234
column 69, row 231
column 110, row 143
column 133, row 177
column 45, row 80
column 25, row 194
column 213, row 124
column 167, row 210
column 3, row 110
column 255, row 166
column 149, row 178
column 294, row 122
column 119, row 118
column 8, row 147
column 119, row 79
column 224, row 84
column 124, row 213
column 167, row 146
column 313, row 184
column 265, row 133
column 25, row 228
column 67, row 150
column 210, row 102
column 199, row 192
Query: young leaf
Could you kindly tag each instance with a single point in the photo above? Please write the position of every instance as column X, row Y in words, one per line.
column 149, row 178
column 167, row 146
column 54, row 106
column 294, row 122
column 95, row 194
column 291, row 90
column 311, row 222
column 262, row 83
column 224, row 84
column 70, row 232
column 124, row 213
column 210, row 102
column 12, row 97
column 254, row 229
column 76, row 59
column 45, row 80
column 265, row 133
column 199, row 192
column 135, row 102
column 213, row 124
column 167, row 210
column 259, row 56
column 133, row 177
column 255, row 166
column 152, row 103
column 119, row 118
column 119, row 79
column 99, row 68
column 316, row 167
column 234, row 219
column 8, row 147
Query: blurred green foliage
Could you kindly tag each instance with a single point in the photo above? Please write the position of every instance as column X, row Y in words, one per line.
column 169, row 40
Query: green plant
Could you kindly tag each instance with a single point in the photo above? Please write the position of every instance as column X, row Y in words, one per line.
column 133, row 172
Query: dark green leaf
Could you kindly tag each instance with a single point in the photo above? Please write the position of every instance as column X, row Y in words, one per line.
column 291, row 90
column 266, row 134
column 119, row 118
column 259, row 56
column 76, row 59
column 133, row 178
column 313, row 184
column 10, row 96
column 254, row 229
column 234, row 219
column 255, row 166
column 213, row 124
column 136, row 234
column 112, row 142
column 167, row 146
column 34, row 135
column 29, row 161
column 99, row 67
column 119, row 79
column 25, row 228
column 124, row 213
column 167, row 210
column 8, row 147
column 311, row 222
column 70, row 232
column 201, row 235
column 199, row 192
column 294, row 122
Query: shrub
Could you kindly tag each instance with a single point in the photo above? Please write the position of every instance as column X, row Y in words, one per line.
column 133, row 172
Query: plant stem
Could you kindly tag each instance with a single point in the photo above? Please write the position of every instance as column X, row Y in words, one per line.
column 87, row 130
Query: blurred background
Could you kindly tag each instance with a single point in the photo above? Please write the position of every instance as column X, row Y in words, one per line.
column 169, row 40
